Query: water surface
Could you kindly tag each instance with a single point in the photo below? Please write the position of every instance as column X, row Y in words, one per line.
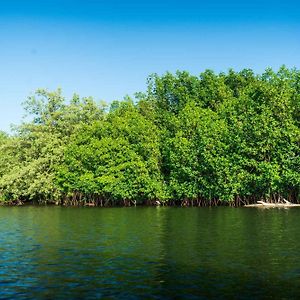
column 153, row 253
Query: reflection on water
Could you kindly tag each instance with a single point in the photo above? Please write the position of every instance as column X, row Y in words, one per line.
column 153, row 253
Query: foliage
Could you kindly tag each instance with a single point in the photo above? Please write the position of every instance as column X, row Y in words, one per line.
column 29, row 158
column 230, row 137
column 115, row 159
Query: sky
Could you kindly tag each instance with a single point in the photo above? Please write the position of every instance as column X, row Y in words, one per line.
column 107, row 49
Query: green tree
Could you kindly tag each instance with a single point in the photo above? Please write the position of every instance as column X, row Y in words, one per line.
column 113, row 160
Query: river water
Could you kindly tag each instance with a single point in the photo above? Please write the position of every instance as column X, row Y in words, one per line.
column 149, row 253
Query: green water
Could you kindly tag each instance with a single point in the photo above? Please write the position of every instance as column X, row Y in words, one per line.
column 149, row 253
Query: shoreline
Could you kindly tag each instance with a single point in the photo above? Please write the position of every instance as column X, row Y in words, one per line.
column 175, row 203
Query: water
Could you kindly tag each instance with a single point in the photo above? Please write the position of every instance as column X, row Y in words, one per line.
column 152, row 253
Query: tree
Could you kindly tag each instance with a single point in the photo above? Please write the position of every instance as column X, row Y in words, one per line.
column 113, row 160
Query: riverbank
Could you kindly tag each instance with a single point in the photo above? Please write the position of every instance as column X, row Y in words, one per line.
column 170, row 203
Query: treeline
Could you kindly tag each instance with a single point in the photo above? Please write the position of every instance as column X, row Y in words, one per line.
column 229, row 138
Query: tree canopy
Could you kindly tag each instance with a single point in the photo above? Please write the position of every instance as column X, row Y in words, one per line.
column 192, row 140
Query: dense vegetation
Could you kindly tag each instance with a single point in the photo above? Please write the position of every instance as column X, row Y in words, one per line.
column 217, row 138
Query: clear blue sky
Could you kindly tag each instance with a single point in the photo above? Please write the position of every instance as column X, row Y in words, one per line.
column 106, row 49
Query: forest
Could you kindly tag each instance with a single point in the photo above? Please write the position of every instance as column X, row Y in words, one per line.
column 215, row 139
